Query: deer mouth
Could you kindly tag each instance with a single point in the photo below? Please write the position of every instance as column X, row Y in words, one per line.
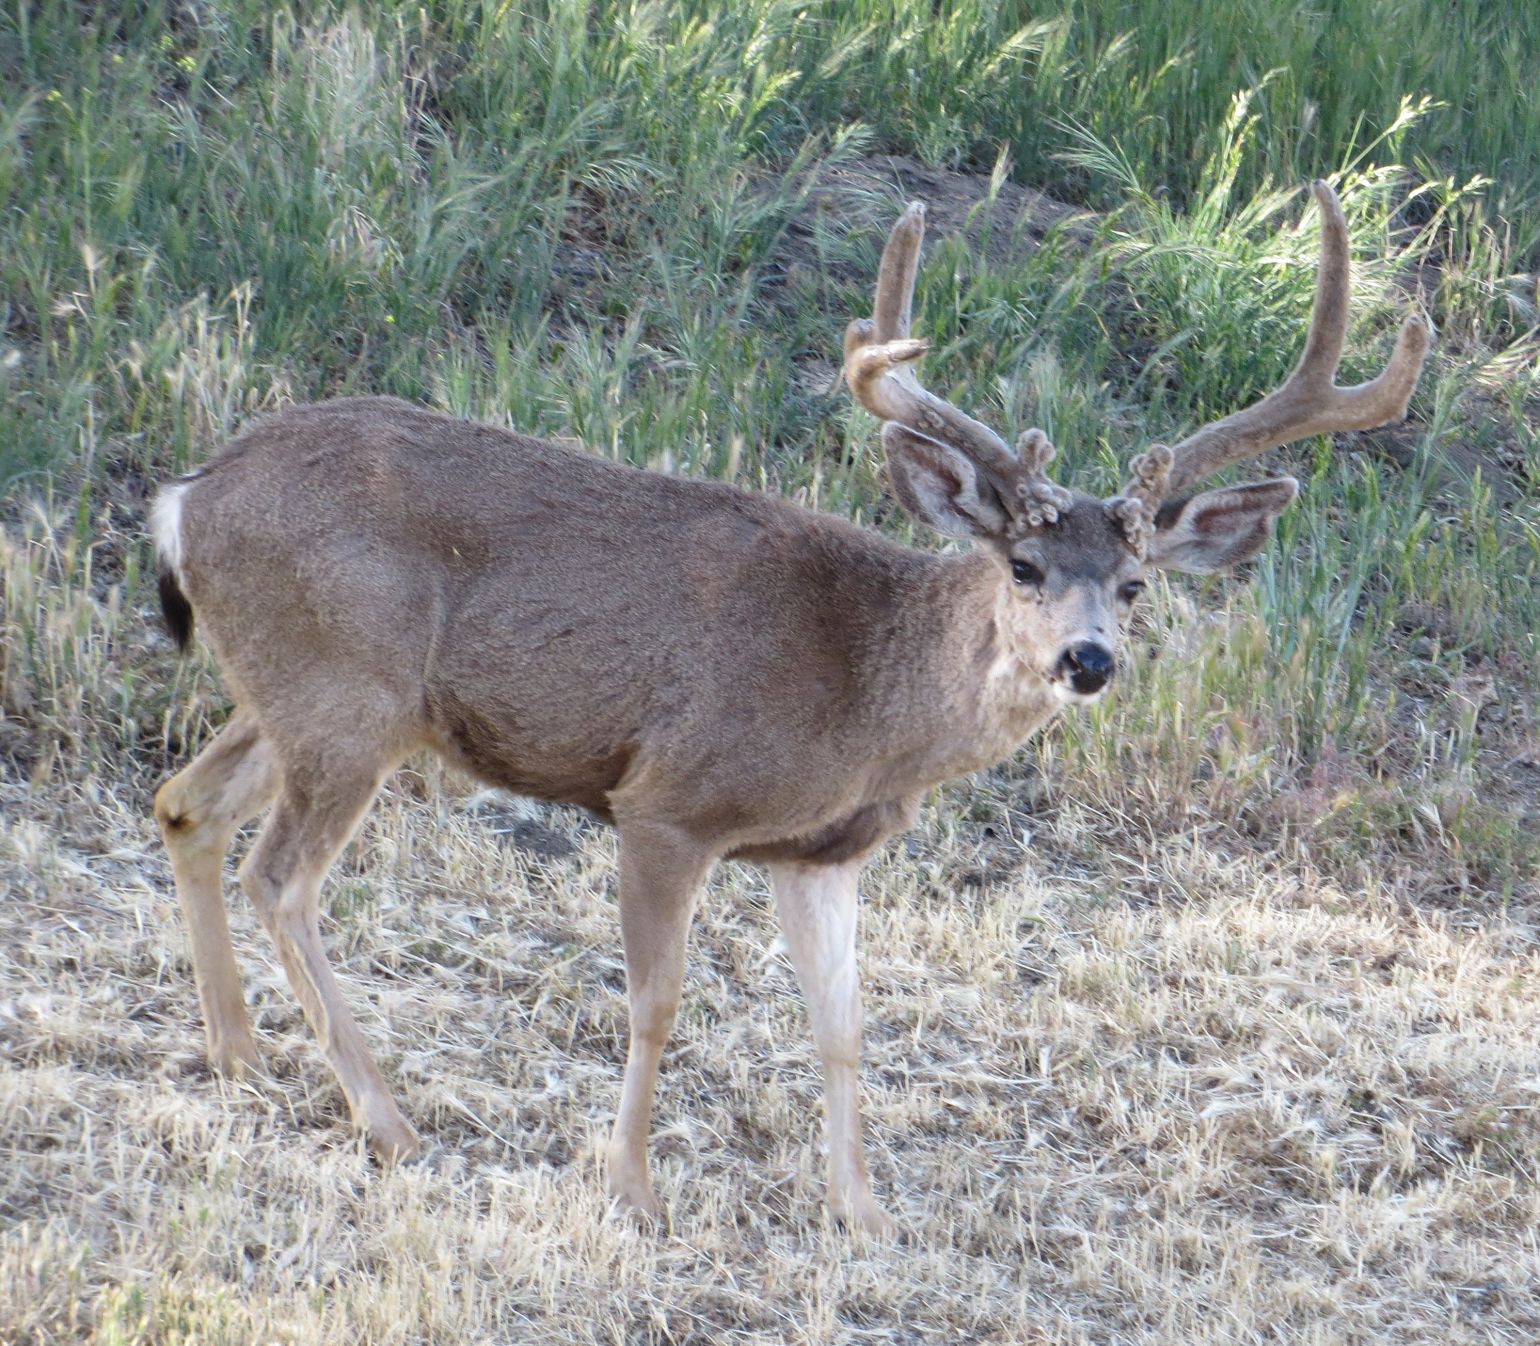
column 1066, row 695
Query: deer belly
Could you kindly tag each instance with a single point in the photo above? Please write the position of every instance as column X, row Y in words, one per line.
column 845, row 839
column 534, row 760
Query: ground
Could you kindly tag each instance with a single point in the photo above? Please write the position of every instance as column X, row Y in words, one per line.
column 1137, row 1089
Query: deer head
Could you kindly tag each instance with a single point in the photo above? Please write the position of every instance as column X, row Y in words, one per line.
column 1071, row 565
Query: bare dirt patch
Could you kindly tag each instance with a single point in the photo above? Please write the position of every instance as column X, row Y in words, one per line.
column 1003, row 218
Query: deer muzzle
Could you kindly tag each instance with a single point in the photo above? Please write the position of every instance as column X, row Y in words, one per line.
column 1086, row 667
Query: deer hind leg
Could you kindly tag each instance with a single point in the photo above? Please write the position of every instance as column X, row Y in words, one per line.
column 661, row 871
column 199, row 811
column 817, row 906
column 320, row 806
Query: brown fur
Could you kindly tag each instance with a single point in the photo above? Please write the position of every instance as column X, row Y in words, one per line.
column 719, row 673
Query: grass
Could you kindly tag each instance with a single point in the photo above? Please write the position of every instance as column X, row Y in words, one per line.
column 1292, row 1102
column 1209, row 1017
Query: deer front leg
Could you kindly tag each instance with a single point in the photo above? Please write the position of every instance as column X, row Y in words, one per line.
column 817, row 906
column 661, row 870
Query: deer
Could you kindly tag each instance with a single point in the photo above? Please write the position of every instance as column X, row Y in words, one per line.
column 718, row 673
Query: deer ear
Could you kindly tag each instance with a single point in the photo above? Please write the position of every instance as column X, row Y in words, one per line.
column 1220, row 528
column 939, row 486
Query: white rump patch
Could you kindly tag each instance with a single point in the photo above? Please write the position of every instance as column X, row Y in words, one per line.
column 166, row 526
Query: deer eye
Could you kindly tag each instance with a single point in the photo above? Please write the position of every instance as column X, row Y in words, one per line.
column 1024, row 572
column 1130, row 591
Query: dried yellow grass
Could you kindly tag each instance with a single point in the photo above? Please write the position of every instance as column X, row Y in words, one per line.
column 1173, row 1095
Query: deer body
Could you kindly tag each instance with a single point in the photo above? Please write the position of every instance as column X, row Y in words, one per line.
column 770, row 678
column 717, row 672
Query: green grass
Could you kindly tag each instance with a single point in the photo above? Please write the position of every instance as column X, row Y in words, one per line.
column 574, row 220
column 380, row 186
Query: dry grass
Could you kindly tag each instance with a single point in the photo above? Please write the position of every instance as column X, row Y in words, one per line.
column 1175, row 1090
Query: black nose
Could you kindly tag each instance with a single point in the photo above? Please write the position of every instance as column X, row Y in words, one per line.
column 1088, row 666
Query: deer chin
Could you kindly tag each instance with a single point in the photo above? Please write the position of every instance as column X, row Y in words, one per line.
column 1066, row 695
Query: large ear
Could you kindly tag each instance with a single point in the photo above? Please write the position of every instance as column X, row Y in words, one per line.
column 1220, row 528
column 940, row 486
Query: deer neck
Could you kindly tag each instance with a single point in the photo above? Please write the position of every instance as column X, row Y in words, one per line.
column 969, row 698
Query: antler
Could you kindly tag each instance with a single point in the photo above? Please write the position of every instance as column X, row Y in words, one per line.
column 1309, row 402
column 879, row 358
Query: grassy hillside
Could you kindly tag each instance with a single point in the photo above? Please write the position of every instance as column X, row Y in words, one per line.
column 1211, row 1016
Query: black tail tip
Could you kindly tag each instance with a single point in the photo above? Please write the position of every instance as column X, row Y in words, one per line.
column 176, row 610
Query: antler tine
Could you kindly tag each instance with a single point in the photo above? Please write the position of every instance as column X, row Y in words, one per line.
column 879, row 354
column 1310, row 402
column 893, row 303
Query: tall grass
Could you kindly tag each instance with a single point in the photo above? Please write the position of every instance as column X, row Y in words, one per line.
column 381, row 183
column 377, row 189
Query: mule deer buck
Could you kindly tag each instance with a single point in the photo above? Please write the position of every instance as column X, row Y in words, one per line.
column 717, row 672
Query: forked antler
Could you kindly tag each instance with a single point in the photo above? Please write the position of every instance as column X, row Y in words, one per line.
column 880, row 355
column 1309, row 402
column 879, row 360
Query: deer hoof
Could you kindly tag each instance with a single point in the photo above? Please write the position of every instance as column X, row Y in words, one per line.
column 393, row 1143
column 636, row 1199
column 236, row 1058
column 862, row 1213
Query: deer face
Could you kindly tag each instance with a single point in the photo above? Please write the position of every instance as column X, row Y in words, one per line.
column 1072, row 564
column 1070, row 586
